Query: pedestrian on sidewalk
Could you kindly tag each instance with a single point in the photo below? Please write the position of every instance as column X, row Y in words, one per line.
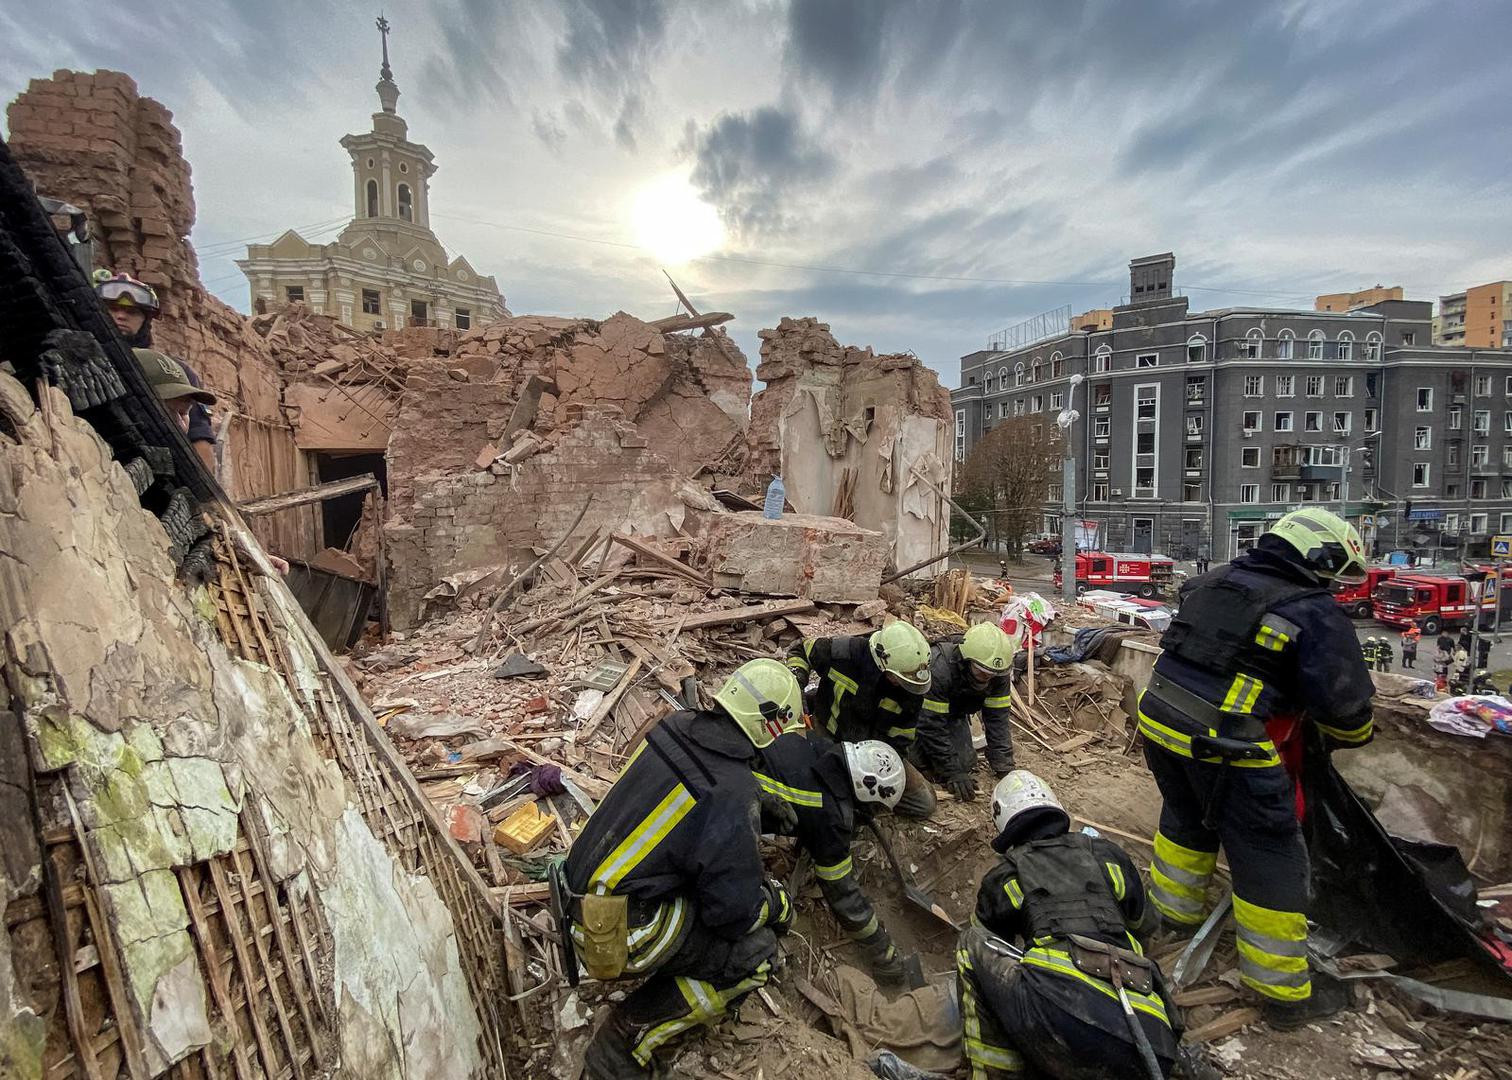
column 1204, row 558
column 1410, row 638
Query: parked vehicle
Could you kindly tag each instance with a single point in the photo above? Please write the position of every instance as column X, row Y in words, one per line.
column 1045, row 545
column 1433, row 602
column 1121, row 571
column 1356, row 599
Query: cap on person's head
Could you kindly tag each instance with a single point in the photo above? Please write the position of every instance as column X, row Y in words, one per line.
column 167, row 376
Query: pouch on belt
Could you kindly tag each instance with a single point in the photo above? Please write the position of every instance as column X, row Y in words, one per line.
column 606, row 931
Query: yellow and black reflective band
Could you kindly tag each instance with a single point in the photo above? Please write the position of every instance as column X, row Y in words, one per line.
column 762, row 914
column 890, row 705
column 1349, row 736
column 935, row 706
column 902, row 732
column 1015, row 892
column 800, row 664
column 1180, row 743
column 1276, row 633
column 837, row 872
column 1179, row 879
column 643, row 839
column 1001, row 701
column 1060, row 962
column 1242, row 694
column 981, row 1054
column 1115, row 878
column 1272, row 951
column 865, row 930
column 787, row 793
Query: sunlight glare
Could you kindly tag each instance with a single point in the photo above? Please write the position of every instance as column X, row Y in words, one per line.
column 673, row 223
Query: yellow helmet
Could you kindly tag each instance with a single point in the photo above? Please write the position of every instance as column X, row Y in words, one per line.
column 1329, row 543
column 903, row 652
column 986, row 645
column 764, row 700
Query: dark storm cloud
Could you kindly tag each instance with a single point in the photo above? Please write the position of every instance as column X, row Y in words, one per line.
column 745, row 163
column 838, row 41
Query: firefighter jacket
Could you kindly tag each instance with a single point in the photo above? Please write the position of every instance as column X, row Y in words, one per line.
column 1258, row 638
column 677, row 836
column 809, row 773
column 948, row 704
column 1045, row 890
column 854, row 699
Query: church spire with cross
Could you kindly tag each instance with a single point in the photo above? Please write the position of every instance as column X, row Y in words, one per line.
column 388, row 90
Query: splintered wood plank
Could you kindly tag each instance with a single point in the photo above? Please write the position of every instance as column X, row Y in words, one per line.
column 748, row 613
column 199, row 927
column 249, row 978
column 65, row 943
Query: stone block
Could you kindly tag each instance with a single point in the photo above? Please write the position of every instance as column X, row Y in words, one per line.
column 827, row 559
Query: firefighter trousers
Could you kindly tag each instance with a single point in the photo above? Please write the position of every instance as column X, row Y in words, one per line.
column 919, row 798
column 1026, row 1021
column 1255, row 822
column 706, row 977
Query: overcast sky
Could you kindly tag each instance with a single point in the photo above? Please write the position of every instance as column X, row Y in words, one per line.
column 967, row 165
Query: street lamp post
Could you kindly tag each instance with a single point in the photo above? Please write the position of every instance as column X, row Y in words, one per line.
column 1065, row 421
column 1349, row 454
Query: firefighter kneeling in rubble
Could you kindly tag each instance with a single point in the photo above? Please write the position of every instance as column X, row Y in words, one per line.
column 1081, row 999
column 871, row 687
column 827, row 786
column 1256, row 647
column 666, row 882
column 966, row 676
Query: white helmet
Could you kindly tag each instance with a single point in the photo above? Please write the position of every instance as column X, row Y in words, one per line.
column 1019, row 793
column 876, row 772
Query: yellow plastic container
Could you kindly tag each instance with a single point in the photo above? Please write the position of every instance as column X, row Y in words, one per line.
column 524, row 829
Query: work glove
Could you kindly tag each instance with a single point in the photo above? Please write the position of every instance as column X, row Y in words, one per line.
column 779, row 906
column 963, row 787
column 777, row 814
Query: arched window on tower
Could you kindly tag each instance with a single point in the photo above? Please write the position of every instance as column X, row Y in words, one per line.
column 406, row 207
column 372, row 198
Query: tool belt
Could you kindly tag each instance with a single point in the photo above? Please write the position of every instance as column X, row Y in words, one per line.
column 604, row 925
column 1120, row 967
column 1235, row 727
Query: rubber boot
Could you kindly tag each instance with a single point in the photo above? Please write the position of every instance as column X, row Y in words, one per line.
column 1329, row 996
column 609, row 1055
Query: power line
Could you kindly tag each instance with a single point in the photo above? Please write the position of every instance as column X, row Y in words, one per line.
column 222, row 247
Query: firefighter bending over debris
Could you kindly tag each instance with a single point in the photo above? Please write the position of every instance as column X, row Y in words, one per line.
column 825, row 783
column 968, row 675
column 1082, row 999
column 1257, row 646
column 871, row 687
column 666, row 881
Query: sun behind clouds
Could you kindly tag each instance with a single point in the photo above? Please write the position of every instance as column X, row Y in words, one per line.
column 673, row 223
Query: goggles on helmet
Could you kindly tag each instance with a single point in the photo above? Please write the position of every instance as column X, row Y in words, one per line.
column 117, row 292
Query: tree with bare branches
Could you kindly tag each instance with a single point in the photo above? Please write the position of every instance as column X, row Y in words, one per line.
column 1009, row 473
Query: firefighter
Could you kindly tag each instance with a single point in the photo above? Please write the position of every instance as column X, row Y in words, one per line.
column 968, row 675
column 829, row 785
column 1257, row 647
column 1076, row 907
column 1385, row 654
column 871, row 687
column 665, row 881
column 1368, row 652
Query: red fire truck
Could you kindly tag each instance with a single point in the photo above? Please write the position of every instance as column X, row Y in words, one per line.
column 1433, row 602
column 1123, row 571
column 1356, row 599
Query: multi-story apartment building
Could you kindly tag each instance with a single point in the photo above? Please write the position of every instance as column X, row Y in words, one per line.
column 1478, row 318
column 1204, row 427
column 1349, row 301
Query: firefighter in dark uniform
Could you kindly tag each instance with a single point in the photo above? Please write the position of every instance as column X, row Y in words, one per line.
column 824, row 783
column 1257, row 648
column 1075, row 904
column 871, row 687
column 665, row 881
column 966, row 676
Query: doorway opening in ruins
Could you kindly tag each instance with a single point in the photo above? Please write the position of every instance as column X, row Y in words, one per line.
column 341, row 514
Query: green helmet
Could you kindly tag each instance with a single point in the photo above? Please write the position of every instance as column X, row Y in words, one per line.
column 764, row 699
column 903, row 652
column 1328, row 542
column 986, row 645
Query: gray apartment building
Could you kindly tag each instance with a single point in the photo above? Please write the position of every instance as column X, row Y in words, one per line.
column 1204, row 427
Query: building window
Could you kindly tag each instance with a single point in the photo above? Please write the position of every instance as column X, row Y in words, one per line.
column 462, row 320
column 294, row 293
column 1409, row 337
column 1477, row 491
column 1194, row 458
column 1249, row 457
column 1057, row 366
column 1018, row 406
column 1254, row 385
column 1373, row 347
column 1481, row 422
column 1252, row 421
column 1343, row 386
column 1451, row 491
column 1456, row 414
column 1420, row 473
column 1507, row 422
column 1196, row 349
column 1507, row 457
column 1341, row 422
column 1422, row 438
column 1280, row 493
column 1249, row 493
column 1102, row 395
column 1283, row 421
column 1100, row 491
column 371, row 305
column 1284, row 345
column 418, row 313
column 1506, row 493
column 1312, row 421
column 1191, row 493
column 1478, row 522
column 1102, row 360
column 1144, row 482
column 1196, row 389
column 1144, row 442
column 987, row 382
column 372, row 198
column 1058, row 400
column 1250, row 350
column 1480, row 455
column 1036, row 372
column 1100, row 426
column 1508, row 391
column 1037, row 403
column 1370, row 420
column 1425, row 399
column 1315, row 345
column 1452, row 457
column 1003, row 408
column 1100, row 458
column 1286, row 385
column 1194, row 425
column 1055, row 493
column 1315, row 386
column 1145, row 398
column 1344, row 347
column 1018, row 374
column 1146, row 360
column 1451, row 522
column 1483, row 386
column 406, row 205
